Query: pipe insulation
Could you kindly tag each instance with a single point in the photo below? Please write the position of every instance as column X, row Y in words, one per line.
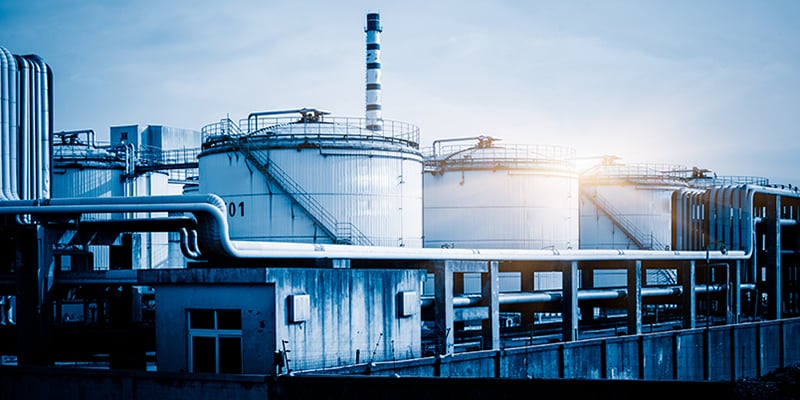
column 214, row 240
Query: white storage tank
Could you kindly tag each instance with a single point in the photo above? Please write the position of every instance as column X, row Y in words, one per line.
column 81, row 168
column 483, row 195
column 303, row 176
column 629, row 206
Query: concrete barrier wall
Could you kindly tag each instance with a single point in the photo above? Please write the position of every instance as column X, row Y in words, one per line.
column 646, row 365
column 717, row 353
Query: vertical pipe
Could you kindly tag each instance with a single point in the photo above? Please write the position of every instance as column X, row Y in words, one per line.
column 374, row 107
column 35, row 124
column 13, row 129
column 44, row 122
column 5, row 119
column 24, row 127
column 47, row 145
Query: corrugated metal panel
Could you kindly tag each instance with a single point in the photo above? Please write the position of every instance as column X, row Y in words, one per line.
column 648, row 208
column 377, row 191
column 501, row 209
column 87, row 182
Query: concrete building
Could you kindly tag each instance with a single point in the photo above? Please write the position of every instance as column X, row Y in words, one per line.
column 274, row 320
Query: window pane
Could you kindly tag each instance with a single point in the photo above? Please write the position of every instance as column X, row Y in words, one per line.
column 229, row 319
column 203, row 354
column 201, row 319
column 230, row 355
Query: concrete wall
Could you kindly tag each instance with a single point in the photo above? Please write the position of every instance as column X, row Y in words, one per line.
column 352, row 311
column 258, row 322
column 721, row 353
column 353, row 315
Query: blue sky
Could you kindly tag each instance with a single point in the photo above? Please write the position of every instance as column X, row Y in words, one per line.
column 713, row 84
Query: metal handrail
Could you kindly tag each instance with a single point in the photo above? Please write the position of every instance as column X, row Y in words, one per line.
column 330, row 128
column 628, row 228
column 340, row 232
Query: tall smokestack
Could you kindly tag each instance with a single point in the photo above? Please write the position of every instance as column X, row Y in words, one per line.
column 373, row 114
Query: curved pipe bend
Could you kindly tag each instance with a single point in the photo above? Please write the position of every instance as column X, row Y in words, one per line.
column 214, row 241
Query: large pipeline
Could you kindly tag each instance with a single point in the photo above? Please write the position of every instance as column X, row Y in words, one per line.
column 8, row 93
column 214, row 240
column 554, row 296
column 25, row 126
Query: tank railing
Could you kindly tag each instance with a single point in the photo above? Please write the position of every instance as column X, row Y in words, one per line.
column 175, row 157
column 638, row 172
column 730, row 180
column 340, row 232
column 509, row 156
column 506, row 152
column 333, row 127
column 83, row 152
column 225, row 127
column 639, row 238
column 440, row 166
column 72, row 138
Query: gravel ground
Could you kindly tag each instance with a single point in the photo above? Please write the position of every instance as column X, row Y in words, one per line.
column 781, row 384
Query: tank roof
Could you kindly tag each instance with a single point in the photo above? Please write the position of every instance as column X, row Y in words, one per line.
column 487, row 154
column 310, row 124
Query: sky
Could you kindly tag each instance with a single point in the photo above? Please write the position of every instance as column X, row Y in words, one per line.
column 705, row 83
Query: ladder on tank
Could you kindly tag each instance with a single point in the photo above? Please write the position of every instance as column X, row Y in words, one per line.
column 639, row 238
column 340, row 232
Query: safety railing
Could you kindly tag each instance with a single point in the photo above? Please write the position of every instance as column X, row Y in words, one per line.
column 641, row 239
column 340, row 232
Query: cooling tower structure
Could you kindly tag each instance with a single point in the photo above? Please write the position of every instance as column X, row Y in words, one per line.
column 480, row 194
column 304, row 176
column 26, row 124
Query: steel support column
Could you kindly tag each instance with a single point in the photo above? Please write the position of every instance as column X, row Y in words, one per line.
column 635, row 298
column 569, row 300
column 688, row 297
column 443, row 303
column 773, row 250
column 736, row 294
column 587, row 282
column 490, row 298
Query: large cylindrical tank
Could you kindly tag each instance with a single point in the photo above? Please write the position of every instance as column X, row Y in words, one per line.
column 629, row 206
column 81, row 168
column 479, row 194
column 486, row 195
column 316, row 179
